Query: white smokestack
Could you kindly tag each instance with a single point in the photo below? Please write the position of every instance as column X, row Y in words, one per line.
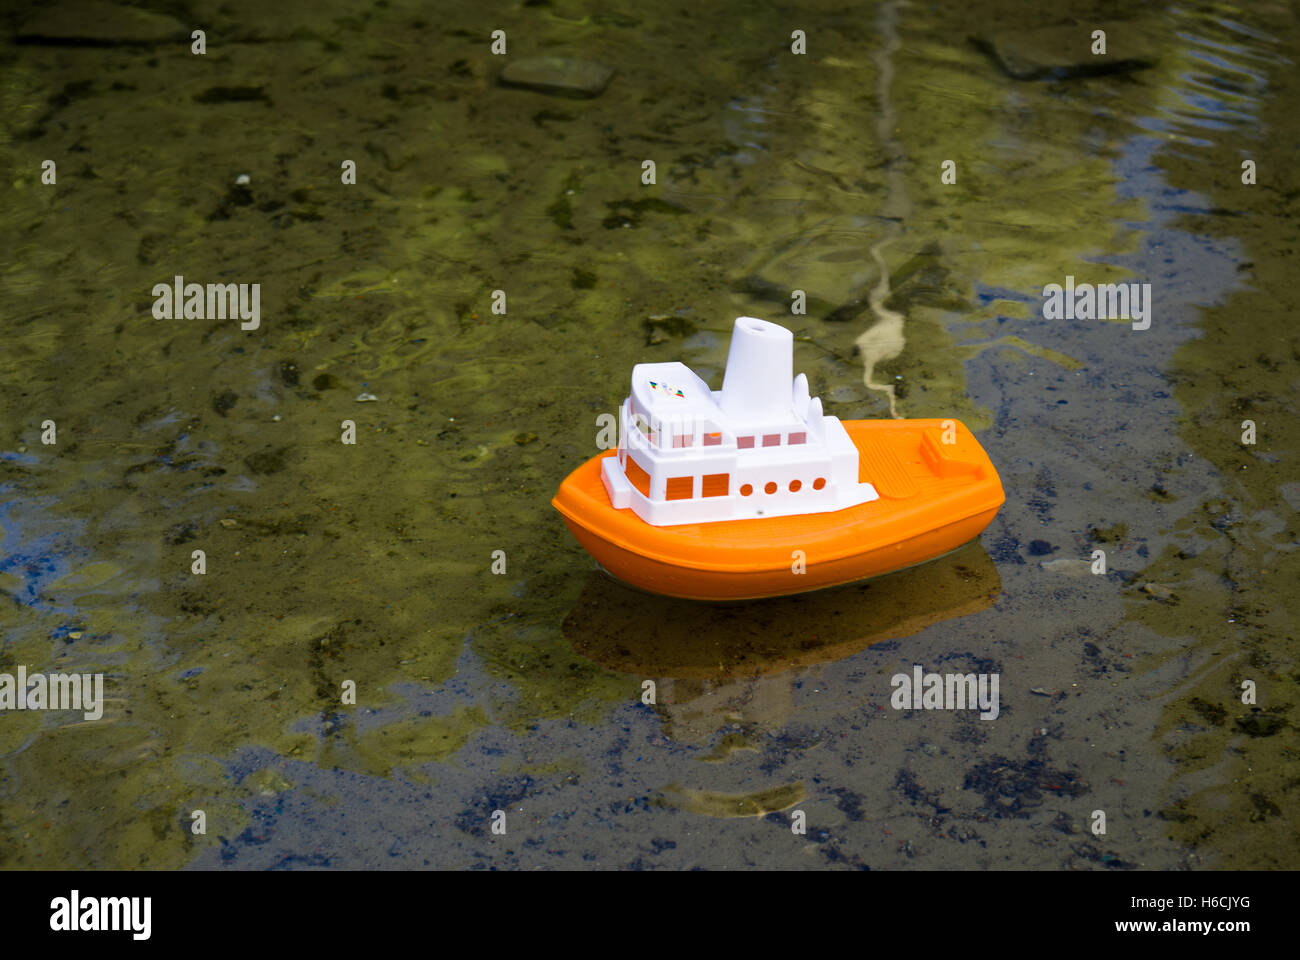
column 758, row 384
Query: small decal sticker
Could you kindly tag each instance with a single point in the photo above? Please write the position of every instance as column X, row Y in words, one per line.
column 667, row 388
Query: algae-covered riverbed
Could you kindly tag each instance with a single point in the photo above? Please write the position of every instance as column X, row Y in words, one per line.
column 920, row 171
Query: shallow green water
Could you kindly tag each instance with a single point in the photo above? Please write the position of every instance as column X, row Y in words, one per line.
column 371, row 562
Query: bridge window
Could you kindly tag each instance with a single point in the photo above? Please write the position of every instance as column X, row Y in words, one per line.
column 712, row 439
column 716, row 485
column 798, row 438
column 683, row 440
column 771, row 439
column 744, row 443
column 637, row 476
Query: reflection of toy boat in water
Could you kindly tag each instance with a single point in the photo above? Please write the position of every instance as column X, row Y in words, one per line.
column 648, row 636
column 751, row 491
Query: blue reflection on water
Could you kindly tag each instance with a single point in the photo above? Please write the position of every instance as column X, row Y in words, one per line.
column 38, row 559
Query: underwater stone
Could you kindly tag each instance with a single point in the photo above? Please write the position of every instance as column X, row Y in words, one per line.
column 1062, row 52
column 1261, row 724
column 267, row 461
column 95, row 21
column 1068, row 566
column 558, row 75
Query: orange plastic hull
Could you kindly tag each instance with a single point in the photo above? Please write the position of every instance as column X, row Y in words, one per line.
column 934, row 497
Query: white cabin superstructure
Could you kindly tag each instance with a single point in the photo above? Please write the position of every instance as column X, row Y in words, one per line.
column 759, row 447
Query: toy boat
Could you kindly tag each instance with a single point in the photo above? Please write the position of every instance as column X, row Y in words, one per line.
column 751, row 491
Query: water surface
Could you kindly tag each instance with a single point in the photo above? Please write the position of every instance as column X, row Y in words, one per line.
column 521, row 692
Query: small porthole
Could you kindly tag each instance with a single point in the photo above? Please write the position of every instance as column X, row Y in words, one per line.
column 746, row 489
column 819, row 483
column 770, row 487
column 795, row 486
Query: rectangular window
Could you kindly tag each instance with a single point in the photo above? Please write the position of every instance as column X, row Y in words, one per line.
column 643, row 424
column 712, row 439
column 716, row 485
column 771, row 439
column 683, row 441
column 744, row 443
column 798, row 438
column 637, row 476
column 680, row 488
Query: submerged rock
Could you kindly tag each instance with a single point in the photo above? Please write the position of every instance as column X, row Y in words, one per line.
column 561, row 76
column 1068, row 566
column 1159, row 591
column 1062, row 52
column 99, row 22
